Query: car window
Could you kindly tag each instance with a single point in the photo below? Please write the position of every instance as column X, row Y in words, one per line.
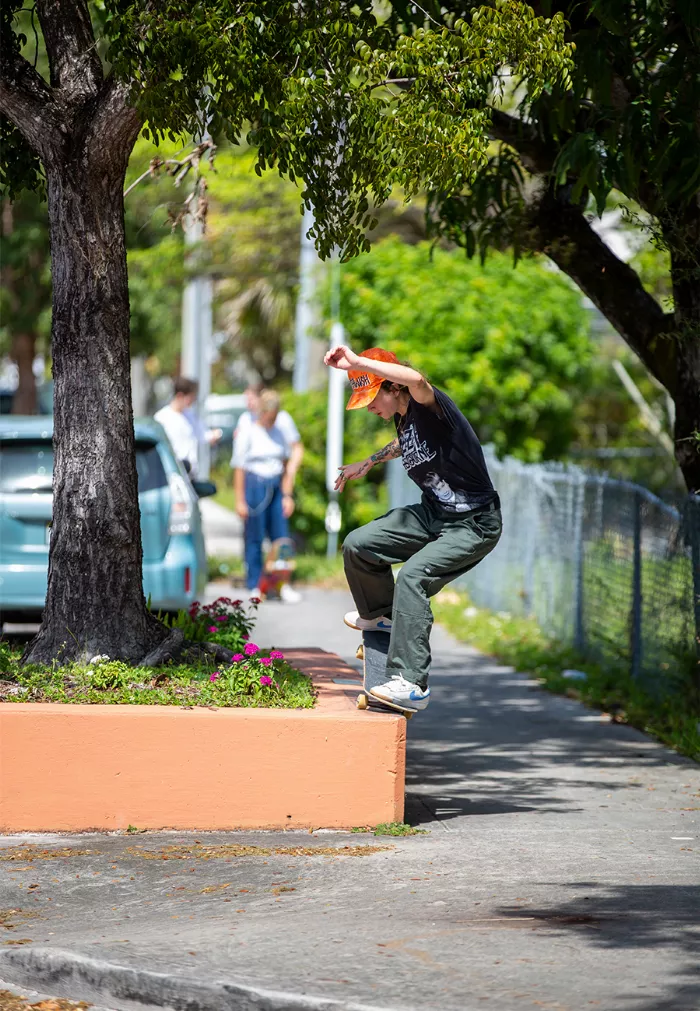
column 27, row 466
column 149, row 467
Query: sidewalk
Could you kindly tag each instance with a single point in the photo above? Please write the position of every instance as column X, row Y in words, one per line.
column 561, row 871
column 223, row 530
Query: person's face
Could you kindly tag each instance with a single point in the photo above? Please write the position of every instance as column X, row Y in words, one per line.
column 189, row 399
column 385, row 404
column 267, row 418
column 252, row 399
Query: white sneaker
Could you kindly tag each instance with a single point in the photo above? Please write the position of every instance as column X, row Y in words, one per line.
column 289, row 595
column 402, row 693
column 381, row 624
column 255, row 594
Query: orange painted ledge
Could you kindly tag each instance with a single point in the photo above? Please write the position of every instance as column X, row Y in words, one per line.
column 77, row 768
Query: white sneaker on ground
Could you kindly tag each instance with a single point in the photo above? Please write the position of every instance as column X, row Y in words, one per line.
column 402, row 692
column 289, row 595
column 381, row 624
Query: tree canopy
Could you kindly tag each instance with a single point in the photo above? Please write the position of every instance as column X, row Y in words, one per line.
column 510, row 347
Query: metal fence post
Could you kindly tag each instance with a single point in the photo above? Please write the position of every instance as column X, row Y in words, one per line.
column 579, row 633
column 636, row 631
column 693, row 521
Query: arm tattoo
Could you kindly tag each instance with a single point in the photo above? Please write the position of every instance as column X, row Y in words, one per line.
column 390, row 452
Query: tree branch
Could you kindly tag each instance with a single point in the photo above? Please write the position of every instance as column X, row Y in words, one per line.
column 26, row 101
column 563, row 233
column 114, row 127
column 75, row 65
column 536, row 156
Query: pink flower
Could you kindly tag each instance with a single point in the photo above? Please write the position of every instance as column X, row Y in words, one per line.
column 266, row 660
column 213, row 628
column 276, row 655
column 221, row 617
column 255, row 600
column 236, row 657
column 251, row 648
column 265, row 680
column 245, row 636
column 236, row 603
column 215, row 675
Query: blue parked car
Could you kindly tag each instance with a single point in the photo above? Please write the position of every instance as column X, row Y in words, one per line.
column 174, row 557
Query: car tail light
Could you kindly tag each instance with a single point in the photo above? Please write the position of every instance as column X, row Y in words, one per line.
column 180, row 506
column 188, row 579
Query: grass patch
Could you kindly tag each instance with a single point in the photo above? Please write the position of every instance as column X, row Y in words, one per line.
column 317, row 570
column 392, row 828
column 255, row 678
column 246, row 683
column 227, row 567
column 673, row 718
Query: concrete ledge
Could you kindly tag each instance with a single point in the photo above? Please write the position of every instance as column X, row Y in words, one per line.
column 76, row 768
column 67, row 974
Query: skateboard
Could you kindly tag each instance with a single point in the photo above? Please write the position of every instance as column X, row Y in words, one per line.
column 278, row 567
column 375, row 646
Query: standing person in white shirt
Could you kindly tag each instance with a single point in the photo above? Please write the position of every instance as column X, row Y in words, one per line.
column 263, row 482
column 284, row 422
column 178, row 428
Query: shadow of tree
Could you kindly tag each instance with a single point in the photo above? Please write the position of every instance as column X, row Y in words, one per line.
column 493, row 742
column 633, row 916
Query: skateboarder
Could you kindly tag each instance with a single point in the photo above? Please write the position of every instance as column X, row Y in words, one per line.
column 455, row 525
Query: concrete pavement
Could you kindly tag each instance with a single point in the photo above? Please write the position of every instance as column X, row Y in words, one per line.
column 223, row 530
column 561, row 870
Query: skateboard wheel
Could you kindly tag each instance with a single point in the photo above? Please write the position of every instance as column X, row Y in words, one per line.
column 362, row 702
column 360, row 651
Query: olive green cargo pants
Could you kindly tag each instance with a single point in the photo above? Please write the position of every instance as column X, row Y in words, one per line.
column 435, row 547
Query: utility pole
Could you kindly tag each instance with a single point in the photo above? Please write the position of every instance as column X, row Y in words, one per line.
column 197, row 326
column 334, row 444
column 306, row 318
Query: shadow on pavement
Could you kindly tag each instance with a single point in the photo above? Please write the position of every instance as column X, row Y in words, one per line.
column 493, row 742
column 632, row 916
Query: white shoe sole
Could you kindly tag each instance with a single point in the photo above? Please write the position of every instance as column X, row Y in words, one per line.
column 359, row 628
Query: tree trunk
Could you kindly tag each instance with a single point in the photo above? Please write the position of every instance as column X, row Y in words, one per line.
column 95, row 602
column 22, row 353
column 683, row 238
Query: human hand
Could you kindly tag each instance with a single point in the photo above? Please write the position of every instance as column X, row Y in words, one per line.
column 341, row 357
column 214, row 435
column 287, row 506
column 351, row 471
column 242, row 510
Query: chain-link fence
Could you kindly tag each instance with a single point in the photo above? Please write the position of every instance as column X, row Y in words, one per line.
column 601, row 564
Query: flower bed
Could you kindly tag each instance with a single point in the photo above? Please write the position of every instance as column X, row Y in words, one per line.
column 255, row 677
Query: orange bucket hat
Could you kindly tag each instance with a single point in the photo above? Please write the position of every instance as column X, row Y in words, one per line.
column 365, row 385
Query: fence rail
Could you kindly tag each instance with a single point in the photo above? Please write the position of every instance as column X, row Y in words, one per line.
column 601, row 564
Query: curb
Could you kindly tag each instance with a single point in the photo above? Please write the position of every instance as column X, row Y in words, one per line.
column 78, row 977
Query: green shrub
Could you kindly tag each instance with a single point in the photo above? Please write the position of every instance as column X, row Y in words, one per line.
column 362, row 500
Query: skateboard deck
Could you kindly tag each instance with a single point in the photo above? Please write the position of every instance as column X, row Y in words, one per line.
column 375, row 646
column 278, row 567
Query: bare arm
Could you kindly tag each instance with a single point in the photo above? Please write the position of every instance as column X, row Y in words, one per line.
column 352, row 471
column 294, row 462
column 239, row 491
column 344, row 358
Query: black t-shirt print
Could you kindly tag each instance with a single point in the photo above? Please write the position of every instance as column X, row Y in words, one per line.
column 442, row 454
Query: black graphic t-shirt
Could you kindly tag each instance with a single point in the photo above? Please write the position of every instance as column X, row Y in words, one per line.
column 442, row 454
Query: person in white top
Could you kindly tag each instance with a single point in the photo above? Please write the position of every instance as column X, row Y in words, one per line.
column 284, row 422
column 178, row 428
column 263, row 483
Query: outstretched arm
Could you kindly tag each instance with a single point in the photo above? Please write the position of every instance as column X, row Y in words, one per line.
column 352, row 471
column 344, row 358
